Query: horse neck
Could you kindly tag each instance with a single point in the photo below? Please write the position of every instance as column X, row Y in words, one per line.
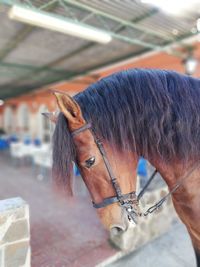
column 172, row 171
column 186, row 198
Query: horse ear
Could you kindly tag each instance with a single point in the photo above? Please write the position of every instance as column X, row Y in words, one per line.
column 71, row 110
column 52, row 116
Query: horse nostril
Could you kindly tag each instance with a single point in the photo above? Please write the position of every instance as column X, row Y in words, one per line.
column 117, row 230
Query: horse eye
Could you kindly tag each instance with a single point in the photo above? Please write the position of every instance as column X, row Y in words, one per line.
column 89, row 162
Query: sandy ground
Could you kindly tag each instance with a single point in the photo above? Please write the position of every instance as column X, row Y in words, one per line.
column 65, row 234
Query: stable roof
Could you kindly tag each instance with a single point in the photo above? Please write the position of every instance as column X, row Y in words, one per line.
column 31, row 57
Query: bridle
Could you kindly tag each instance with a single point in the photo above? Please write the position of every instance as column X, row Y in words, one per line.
column 129, row 202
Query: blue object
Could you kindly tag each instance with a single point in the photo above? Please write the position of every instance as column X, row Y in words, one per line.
column 37, row 142
column 76, row 170
column 27, row 141
column 13, row 138
column 3, row 144
column 142, row 167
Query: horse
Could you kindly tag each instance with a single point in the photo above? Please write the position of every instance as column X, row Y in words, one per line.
column 132, row 113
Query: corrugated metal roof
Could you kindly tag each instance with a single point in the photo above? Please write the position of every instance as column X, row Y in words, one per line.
column 31, row 56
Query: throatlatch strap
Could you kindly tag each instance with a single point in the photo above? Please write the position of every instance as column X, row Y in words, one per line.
column 147, row 184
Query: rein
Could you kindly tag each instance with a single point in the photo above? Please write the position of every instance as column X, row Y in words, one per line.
column 180, row 181
column 129, row 202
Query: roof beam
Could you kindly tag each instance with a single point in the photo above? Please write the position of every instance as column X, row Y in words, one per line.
column 17, row 39
column 91, row 44
column 66, row 75
column 22, row 34
column 31, row 68
column 114, row 18
column 11, row 91
column 115, row 35
column 79, row 50
column 8, row 92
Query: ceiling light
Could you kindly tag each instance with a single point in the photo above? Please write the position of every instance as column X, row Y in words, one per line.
column 190, row 65
column 198, row 25
column 44, row 20
column 174, row 7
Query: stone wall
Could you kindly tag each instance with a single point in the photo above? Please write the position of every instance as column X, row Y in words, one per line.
column 14, row 233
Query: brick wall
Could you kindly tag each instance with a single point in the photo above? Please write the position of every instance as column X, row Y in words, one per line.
column 14, row 233
column 43, row 96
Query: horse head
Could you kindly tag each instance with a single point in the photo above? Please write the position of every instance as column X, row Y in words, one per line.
column 95, row 172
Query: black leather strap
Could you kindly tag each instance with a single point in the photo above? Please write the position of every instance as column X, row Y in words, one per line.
column 83, row 128
column 110, row 200
column 140, row 195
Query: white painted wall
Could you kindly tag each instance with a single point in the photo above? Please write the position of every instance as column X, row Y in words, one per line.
column 23, row 120
column 8, row 120
column 1, row 120
column 26, row 123
column 43, row 125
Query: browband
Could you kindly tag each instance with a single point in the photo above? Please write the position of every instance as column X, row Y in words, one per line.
column 83, row 128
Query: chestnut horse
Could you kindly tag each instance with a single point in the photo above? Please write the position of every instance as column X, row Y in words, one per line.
column 138, row 112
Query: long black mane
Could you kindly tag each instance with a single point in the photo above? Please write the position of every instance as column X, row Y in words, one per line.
column 152, row 112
